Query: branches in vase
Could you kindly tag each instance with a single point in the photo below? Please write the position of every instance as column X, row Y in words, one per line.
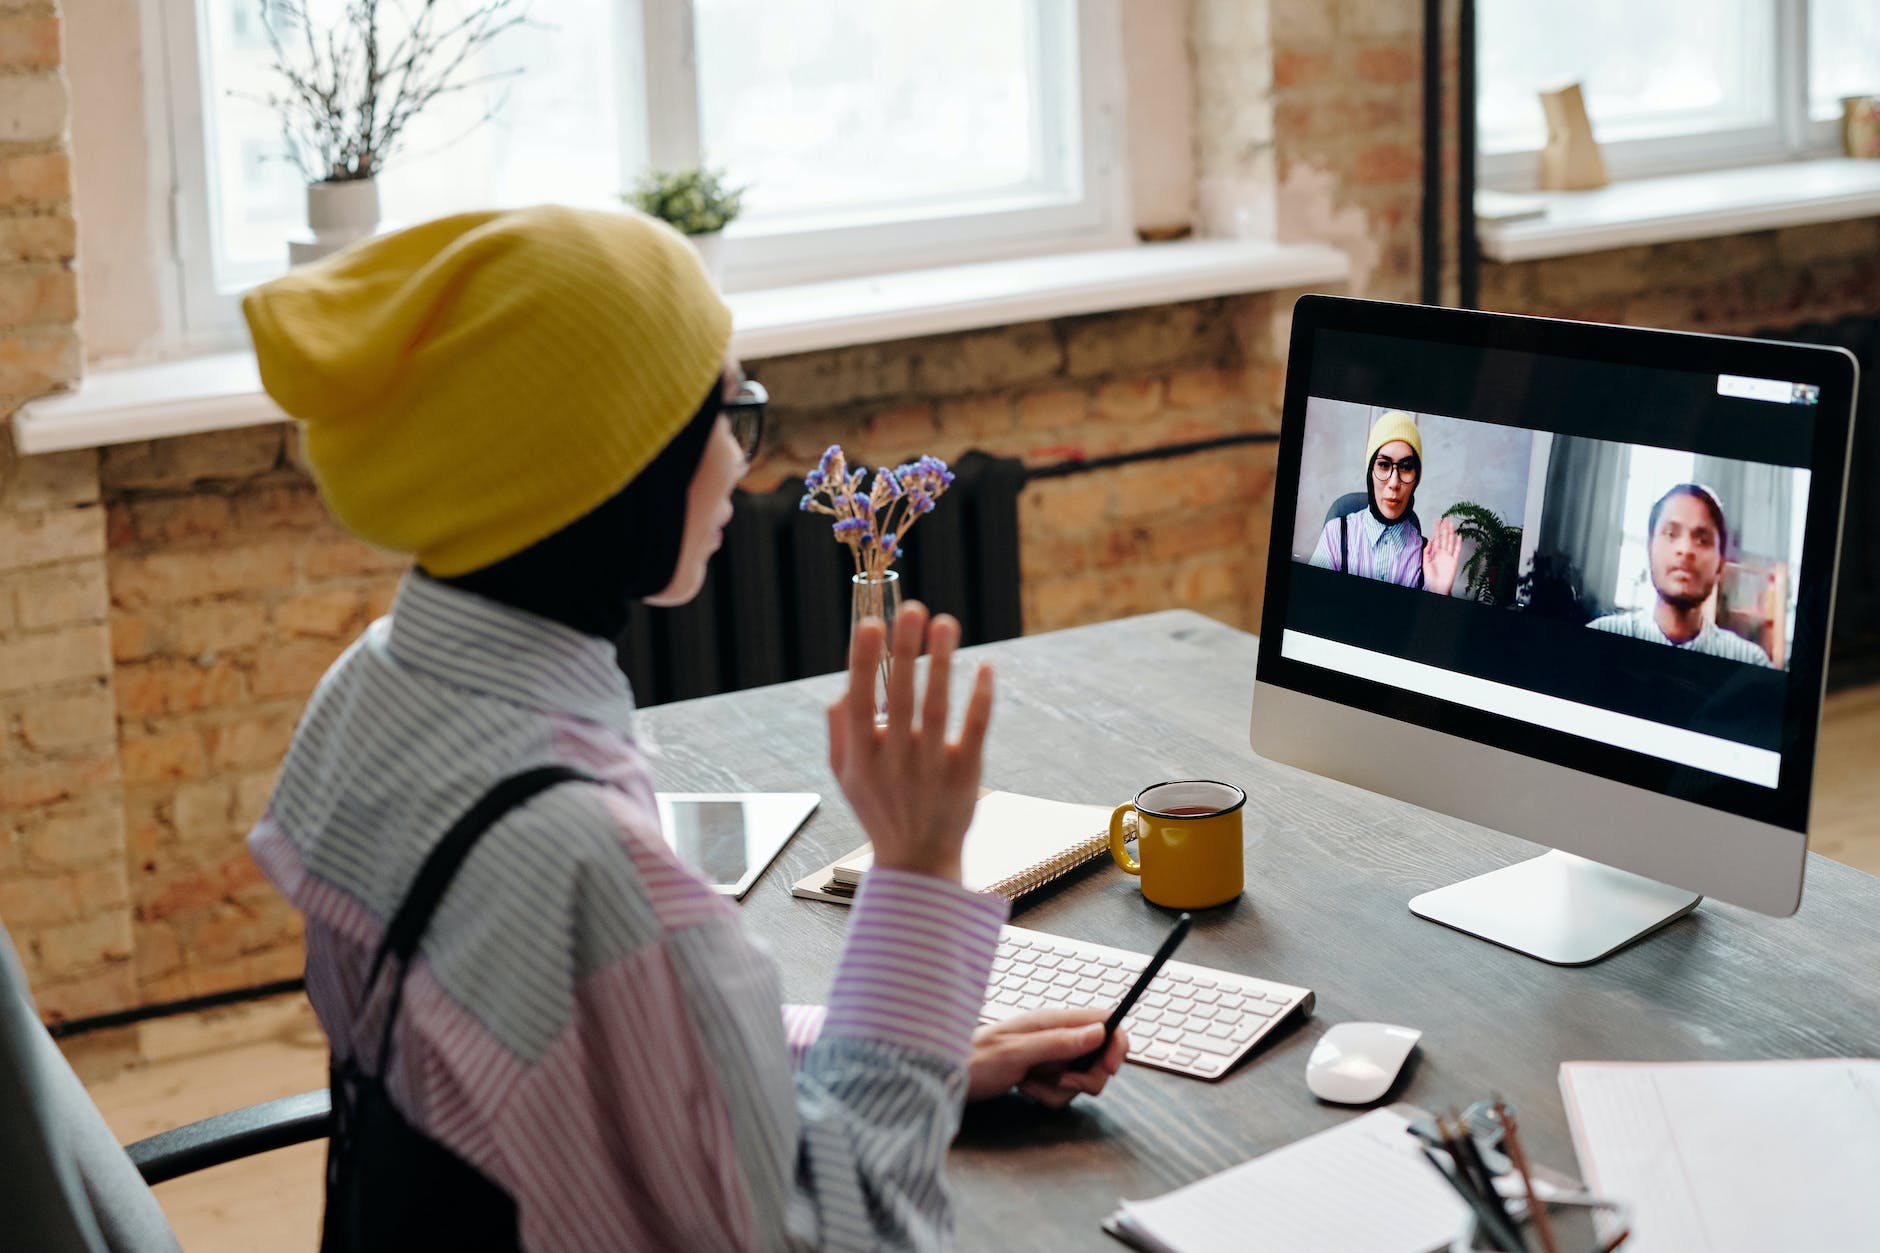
column 350, row 92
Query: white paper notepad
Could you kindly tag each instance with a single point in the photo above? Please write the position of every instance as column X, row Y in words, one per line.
column 1016, row 844
column 1716, row 1157
column 1361, row 1187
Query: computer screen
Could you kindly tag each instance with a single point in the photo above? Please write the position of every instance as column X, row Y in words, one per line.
column 1607, row 551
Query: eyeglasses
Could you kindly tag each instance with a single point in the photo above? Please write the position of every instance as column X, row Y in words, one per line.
column 1406, row 470
column 744, row 411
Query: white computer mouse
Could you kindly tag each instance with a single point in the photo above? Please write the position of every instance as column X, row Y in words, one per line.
column 1355, row 1063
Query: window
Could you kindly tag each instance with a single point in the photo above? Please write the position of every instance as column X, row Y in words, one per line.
column 871, row 137
column 1674, row 84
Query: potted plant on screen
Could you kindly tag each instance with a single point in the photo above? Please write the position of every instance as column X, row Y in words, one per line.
column 696, row 203
column 1490, row 569
column 349, row 87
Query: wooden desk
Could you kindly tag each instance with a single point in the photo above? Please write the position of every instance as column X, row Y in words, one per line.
column 1329, row 869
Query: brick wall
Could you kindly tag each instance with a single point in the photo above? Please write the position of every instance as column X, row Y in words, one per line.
column 62, row 878
column 1347, row 103
column 1147, row 535
column 232, row 591
column 1733, row 284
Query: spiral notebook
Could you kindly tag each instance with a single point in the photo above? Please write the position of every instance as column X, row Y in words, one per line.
column 1015, row 845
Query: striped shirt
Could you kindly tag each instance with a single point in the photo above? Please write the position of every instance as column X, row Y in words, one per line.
column 587, row 1024
column 1393, row 553
column 1713, row 641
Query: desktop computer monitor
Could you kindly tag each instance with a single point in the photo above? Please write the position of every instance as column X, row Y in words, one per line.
column 1586, row 603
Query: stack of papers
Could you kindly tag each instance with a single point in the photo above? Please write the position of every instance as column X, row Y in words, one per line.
column 1362, row 1187
column 1715, row 1157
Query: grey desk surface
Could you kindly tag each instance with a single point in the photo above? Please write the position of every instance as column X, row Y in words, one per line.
column 1094, row 713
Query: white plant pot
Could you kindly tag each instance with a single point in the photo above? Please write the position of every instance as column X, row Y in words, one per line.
column 338, row 214
column 710, row 249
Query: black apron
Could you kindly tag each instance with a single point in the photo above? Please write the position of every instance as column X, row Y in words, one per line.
column 387, row 1186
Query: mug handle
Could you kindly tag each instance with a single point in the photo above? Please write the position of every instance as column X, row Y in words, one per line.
column 1117, row 836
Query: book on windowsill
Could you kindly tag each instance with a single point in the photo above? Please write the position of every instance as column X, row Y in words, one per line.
column 1015, row 845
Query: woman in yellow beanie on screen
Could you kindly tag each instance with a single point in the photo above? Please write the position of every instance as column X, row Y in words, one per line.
column 546, row 1032
column 1383, row 540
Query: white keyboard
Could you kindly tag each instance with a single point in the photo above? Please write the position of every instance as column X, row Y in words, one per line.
column 1192, row 1020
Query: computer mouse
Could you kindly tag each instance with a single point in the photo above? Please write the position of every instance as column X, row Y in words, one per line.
column 1354, row 1063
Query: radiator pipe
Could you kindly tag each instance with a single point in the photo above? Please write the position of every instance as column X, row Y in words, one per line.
column 1084, row 465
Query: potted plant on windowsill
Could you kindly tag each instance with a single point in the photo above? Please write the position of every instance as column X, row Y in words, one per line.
column 349, row 89
column 696, row 203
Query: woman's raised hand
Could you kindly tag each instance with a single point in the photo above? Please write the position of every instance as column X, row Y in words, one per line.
column 1441, row 552
column 911, row 788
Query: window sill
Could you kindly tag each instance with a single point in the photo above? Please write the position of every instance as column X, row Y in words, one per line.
column 222, row 391
column 1688, row 206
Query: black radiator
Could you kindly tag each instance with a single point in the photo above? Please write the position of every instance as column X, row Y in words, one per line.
column 1854, row 655
column 775, row 605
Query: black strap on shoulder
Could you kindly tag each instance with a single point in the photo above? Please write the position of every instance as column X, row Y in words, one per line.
column 440, row 866
column 1344, row 547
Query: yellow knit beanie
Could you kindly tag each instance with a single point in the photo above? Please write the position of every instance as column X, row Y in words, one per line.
column 1393, row 424
column 472, row 385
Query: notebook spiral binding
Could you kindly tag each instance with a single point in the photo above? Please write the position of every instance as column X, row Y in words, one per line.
column 1036, row 875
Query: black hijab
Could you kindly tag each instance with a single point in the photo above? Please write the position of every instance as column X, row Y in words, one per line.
column 1370, row 495
column 626, row 548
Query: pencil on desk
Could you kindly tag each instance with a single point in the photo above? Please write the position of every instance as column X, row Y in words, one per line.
column 1469, row 1162
column 1537, row 1208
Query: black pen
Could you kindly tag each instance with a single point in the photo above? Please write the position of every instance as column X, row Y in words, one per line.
column 1494, row 1225
column 1128, row 1002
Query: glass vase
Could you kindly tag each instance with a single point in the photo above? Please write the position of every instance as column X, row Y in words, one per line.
column 877, row 596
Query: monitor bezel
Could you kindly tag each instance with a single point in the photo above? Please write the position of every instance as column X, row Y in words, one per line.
column 1785, row 807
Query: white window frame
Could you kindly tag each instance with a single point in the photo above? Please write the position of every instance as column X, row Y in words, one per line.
column 660, row 127
column 1793, row 134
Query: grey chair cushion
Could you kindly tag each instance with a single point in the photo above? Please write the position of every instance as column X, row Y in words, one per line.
column 65, row 1185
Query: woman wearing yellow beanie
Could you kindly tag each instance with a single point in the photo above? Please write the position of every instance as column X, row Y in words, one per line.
column 547, row 1033
column 1383, row 540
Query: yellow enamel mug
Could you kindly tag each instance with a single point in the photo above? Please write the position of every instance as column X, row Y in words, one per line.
column 1188, row 839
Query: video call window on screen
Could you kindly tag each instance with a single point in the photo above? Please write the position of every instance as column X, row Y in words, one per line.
column 1654, row 545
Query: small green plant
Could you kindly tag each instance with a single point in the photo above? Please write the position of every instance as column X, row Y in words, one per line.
column 694, row 202
column 1490, row 569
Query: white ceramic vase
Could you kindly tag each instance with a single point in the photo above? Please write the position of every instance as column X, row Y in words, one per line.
column 337, row 214
column 710, row 249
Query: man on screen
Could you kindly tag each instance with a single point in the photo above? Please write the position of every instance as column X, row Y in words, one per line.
column 1685, row 553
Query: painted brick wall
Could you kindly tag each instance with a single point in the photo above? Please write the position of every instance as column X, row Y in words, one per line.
column 63, row 892
column 232, row 591
column 1347, row 104
column 1733, row 284
column 1148, row 535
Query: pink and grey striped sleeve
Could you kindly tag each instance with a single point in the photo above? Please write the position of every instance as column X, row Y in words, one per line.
column 802, row 1024
column 913, row 972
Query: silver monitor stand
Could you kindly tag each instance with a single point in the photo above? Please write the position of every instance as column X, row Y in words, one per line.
column 1557, row 907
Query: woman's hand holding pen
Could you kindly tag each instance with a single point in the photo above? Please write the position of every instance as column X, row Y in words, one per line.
column 1034, row 1051
column 911, row 788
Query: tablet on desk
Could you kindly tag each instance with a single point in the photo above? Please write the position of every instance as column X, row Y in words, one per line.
column 728, row 838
